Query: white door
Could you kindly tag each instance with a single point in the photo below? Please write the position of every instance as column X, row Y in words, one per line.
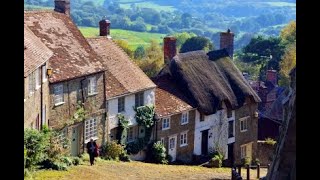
column 172, row 147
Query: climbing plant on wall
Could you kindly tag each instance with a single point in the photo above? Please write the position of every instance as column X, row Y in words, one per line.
column 144, row 117
column 122, row 129
column 79, row 115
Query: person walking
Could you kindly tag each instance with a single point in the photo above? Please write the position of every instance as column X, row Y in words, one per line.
column 92, row 149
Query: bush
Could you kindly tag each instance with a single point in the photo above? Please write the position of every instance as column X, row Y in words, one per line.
column 270, row 141
column 85, row 157
column 112, row 150
column 159, row 153
column 66, row 160
column 256, row 162
column 76, row 161
column 246, row 161
column 217, row 160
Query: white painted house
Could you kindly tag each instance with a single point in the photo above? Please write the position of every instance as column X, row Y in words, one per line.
column 127, row 86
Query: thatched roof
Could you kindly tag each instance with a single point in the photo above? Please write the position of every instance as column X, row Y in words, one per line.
column 209, row 79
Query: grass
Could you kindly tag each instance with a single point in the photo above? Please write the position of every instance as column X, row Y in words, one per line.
column 150, row 5
column 132, row 170
column 133, row 38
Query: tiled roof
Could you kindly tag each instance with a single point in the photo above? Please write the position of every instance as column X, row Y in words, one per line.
column 72, row 55
column 169, row 99
column 129, row 76
column 35, row 52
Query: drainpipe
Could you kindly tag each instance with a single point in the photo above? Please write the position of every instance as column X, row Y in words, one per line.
column 41, row 99
column 82, row 93
column 105, row 106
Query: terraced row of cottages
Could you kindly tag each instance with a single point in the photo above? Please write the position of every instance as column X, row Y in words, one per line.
column 202, row 102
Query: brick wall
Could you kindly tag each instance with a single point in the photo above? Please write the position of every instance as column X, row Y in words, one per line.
column 183, row 153
column 226, row 41
column 265, row 152
column 169, row 48
column 249, row 136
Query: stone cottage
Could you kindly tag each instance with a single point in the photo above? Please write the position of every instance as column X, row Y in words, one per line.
column 36, row 86
column 77, row 80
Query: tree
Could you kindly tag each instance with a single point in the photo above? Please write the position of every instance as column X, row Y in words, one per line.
column 197, row 43
column 125, row 46
column 182, row 37
column 139, row 53
column 288, row 33
column 288, row 62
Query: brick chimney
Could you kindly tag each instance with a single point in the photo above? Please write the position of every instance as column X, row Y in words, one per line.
column 104, row 25
column 272, row 76
column 226, row 41
column 62, row 6
column 169, row 48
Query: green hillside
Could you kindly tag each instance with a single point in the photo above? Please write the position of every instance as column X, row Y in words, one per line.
column 134, row 38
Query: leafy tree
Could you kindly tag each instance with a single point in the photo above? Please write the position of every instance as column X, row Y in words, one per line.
column 197, row 43
column 139, row 53
column 125, row 46
column 288, row 33
column 182, row 37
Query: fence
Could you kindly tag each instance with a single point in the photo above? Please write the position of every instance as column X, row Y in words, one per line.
column 237, row 175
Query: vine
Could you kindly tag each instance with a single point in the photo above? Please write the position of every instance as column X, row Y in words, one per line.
column 122, row 129
column 144, row 117
column 79, row 116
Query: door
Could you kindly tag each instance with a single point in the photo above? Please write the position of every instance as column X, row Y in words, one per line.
column 172, row 146
column 230, row 153
column 75, row 141
column 204, row 142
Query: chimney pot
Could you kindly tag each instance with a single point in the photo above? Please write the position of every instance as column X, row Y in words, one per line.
column 226, row 41
column 104, row 26
column 169, row 48
column 62, row 6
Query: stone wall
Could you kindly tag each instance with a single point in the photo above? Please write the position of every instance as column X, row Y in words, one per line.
column 249, row 136
column 184, row 153
column 265, row 152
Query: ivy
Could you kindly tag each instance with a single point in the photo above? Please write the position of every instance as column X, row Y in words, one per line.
column 122, row 129
column 144, row 117
column 79, row 116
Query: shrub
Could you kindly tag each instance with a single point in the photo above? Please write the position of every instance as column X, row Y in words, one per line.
column 217, row 159
column 270, row 141
column 76, row 161
column 159, row 153
column 256, row 162
column 246, row 161
column 66, row 160
column 85, row 157
column 36, row 144
column 112, row 150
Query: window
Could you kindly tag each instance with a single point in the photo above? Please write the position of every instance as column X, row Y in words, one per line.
column 229, row 113
column 130, row 135
column 243, row 151
column 165, row 123
column 246, row 150
column 121, row 104
column 91, row 129
column 244, row 124
column 162, row 141
column 230, row 129
column 139, row 99
column 171, row 143
column 58, row 94
column 92, row 86
column 44, row 73
column 184, row 118
column 31, row 83
column 201, row 117
column 183, row 139
column 37, row 78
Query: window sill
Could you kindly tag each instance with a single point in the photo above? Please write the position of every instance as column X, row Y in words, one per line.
column 244, row 130
column 92, row 94
column 165, row 128
column 183, row 145
column 38, row 87
column 59, row 104
column 184, row 123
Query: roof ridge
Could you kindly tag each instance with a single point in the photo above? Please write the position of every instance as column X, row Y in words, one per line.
column 38, row 11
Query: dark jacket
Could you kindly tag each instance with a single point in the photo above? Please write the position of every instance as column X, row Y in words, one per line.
column 89, row 150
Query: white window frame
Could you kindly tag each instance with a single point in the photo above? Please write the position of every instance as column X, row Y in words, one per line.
column 91, row 129
column 130, row 137
column 183, row 139
column 244, row 124
column 184, row 118
column 58, row 94
column 243, row 152
column 44, row 73
column 37, row 79
column 166, row 123
column 92, row 86
column 139, row 97
column 121, row 103
column 31, row 85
